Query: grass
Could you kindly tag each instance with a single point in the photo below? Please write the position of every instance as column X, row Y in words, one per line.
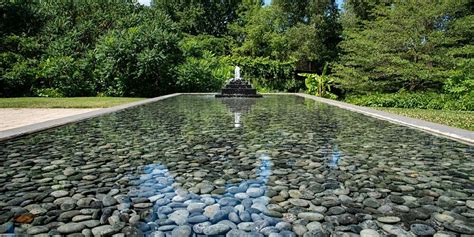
column 459, row 119
column 70, row 102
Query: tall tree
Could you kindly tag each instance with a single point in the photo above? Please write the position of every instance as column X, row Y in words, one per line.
column 403, row 48
column 295, row 11
column 201, row 16
column 363, row 10
column 322, row 35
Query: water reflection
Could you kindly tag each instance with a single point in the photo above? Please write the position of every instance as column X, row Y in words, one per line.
column 335, row 156
column 238, row 107
column 172, row 205
column 237, row 119
column 265, row 168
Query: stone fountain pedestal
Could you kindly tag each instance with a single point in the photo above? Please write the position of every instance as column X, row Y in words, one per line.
column 236, row 87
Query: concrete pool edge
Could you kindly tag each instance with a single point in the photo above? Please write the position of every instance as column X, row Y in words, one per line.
column 49, row 124
column 457, row 134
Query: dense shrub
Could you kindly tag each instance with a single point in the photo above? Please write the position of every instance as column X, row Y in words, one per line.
column 140, row 60
column 461, row 81
column 415, row 100
column 196, row 46
column 65, row 76
column 18, row 64
column 205, row 74
column 18, row 79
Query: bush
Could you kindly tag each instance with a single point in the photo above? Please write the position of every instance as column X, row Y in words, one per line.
column 18, row 65
column 415, row 100
column 461, row 80
column 18, row 79
column 140, row 60
column 206, row 74
column 65, row 76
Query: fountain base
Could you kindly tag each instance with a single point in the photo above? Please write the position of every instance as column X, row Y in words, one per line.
column 238, row 88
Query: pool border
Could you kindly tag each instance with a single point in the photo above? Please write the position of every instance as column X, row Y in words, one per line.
column 457, row 134
column 49, row 124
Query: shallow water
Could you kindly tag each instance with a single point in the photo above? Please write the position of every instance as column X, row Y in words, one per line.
column 196, row 165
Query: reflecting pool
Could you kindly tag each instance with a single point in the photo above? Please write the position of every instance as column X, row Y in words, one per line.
column 195, row 165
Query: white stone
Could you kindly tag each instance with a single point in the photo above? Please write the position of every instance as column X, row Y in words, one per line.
column 369, row 233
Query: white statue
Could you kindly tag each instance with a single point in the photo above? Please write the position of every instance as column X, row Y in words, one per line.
column 237, row 73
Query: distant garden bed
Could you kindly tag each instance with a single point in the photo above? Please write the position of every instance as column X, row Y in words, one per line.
column 415, row 100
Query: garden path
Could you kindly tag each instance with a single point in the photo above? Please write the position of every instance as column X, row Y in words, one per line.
column 14, row 118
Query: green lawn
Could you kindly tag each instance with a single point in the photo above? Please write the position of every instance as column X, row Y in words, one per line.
column 460, row 119
column 70, row 102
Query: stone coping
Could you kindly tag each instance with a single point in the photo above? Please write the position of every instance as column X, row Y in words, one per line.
column 458, row 134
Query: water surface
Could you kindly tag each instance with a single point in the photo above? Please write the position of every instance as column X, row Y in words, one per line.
column 197, row 165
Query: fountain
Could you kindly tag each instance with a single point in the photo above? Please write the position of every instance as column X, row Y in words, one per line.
column 236, row 87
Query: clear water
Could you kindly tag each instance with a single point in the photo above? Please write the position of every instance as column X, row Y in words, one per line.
column 197, row 165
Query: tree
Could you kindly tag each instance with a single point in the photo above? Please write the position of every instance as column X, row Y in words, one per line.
column 363, row 10
column 295, row 11
column 202, row 16
column 404, row 47
column 264, row 34
column 461, row 55
column 313, row 30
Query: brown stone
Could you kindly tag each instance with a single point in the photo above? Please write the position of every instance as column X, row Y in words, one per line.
column 25, row 218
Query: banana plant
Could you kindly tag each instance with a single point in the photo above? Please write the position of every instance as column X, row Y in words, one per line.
column 319, row 85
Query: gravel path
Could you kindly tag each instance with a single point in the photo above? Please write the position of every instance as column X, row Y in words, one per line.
column 13, row 118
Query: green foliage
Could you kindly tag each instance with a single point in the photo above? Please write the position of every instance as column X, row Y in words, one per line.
column 18, row 78
column 66, row 76
column 404, row 45
column 415, row 100
column 263, row 34
column 313, row 31
column 196, row 46
column 49, row 92
column 277, row 38
column 140, row 60
column 19, row 17
column 205, row 74
column 19, row 47
column 200, row 16
column 461, row 80
column 204, row 68
column 319, row 85
column 269, row 32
